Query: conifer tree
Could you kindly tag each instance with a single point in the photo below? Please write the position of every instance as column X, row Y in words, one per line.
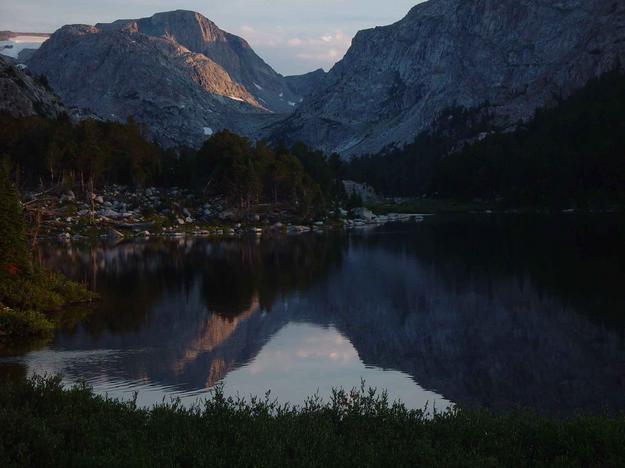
column 14, row 256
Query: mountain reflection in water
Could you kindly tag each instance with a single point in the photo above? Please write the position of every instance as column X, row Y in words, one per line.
column 481, row 311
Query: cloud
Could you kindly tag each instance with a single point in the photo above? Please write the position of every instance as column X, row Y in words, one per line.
column 311, row 49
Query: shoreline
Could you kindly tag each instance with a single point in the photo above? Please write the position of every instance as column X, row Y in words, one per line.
column 120, row 213
column 123, row 213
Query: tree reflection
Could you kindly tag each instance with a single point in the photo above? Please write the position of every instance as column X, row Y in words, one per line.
column 231, row 274
column 491, row 311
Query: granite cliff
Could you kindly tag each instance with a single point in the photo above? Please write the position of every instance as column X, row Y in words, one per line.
column 176, row 72
column 510, row 55
column 22, row 95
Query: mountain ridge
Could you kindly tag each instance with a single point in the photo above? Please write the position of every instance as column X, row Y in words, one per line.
column 176, row 89
column 21, row 95
column 198, row 34
column 514, row 55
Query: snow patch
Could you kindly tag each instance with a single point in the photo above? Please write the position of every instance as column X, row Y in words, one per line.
column 234, row 98
column 208, row 131
column 291, row 103
column 15, row 45
column 259, row 87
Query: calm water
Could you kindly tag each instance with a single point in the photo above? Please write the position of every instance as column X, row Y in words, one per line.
column 482, row 311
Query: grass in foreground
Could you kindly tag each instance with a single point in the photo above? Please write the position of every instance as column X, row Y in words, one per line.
column 41, row 424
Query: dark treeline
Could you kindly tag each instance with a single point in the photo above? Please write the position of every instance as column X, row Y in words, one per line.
column 45, row 151
column 408, row 171
column 92, row 153
column 570, row 155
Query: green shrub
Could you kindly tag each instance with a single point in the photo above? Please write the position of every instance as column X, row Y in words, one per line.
column 28, row 294
column 41, row 424
column 24, row 323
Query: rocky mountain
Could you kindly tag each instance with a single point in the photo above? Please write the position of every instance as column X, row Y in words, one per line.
column 22, row 95
column 176, row 72
column 510, row 56
column 233, row 53
column 306, row 84
column 25, row 55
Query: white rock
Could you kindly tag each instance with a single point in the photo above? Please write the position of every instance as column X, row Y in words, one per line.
column 363, row 213
column 109, row 213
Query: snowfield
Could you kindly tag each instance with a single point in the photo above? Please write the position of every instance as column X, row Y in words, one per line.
column 20, row 43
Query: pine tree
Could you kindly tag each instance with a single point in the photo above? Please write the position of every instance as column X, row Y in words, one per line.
column 14, row 255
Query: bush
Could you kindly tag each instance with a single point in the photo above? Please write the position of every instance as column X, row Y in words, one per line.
column 44, row 425
column 24, row 324
column 28, row 294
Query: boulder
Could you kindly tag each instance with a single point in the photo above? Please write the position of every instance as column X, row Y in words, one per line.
column 113, row 234
column 228, row 215
column 109, row 213
column 363, row 213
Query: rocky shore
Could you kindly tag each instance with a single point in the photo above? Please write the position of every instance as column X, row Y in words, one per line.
column 118, row 212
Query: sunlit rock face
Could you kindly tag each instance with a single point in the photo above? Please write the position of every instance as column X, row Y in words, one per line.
column 176, row 72
column 511, row 56
column 200, row 35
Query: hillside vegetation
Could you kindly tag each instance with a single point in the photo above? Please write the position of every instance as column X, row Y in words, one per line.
column 568, row 156
column 92, row 154
column 32, row 300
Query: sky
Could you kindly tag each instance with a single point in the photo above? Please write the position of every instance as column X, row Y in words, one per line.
column 293, row 36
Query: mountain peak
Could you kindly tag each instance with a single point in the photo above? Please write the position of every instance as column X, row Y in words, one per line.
column 198, row 34
column 188, row 28
column 176, row 71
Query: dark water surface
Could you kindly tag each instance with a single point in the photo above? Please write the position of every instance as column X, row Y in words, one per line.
column 483, row 311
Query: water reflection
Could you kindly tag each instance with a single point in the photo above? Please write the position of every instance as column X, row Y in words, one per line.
column 491, row 312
